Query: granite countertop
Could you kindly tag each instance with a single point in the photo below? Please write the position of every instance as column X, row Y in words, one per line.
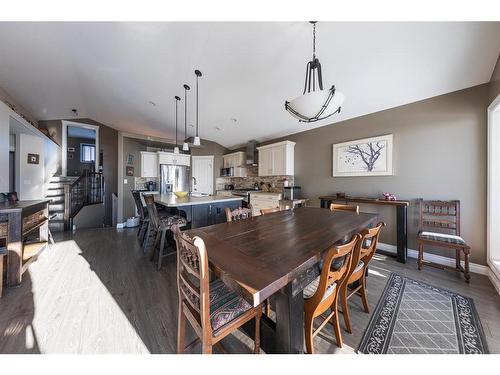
column 170, row 200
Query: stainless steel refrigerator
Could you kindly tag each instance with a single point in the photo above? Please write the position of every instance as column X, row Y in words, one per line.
column 173, row 178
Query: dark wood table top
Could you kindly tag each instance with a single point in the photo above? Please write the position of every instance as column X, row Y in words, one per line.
column 7, row 207
column 265, row 253
column 365, row 200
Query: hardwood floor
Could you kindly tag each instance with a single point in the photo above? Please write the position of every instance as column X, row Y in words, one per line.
column 95, row 292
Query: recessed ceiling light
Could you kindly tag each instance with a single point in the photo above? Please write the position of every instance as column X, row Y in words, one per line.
column 217, row 128
column 235, row 120
column 191, row 125
column 152, row 103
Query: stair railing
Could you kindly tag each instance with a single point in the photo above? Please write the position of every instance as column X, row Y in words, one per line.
column 86, row 190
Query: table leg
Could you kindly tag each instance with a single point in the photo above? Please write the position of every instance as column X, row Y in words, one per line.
column 289, row 321
column 402, row 235
column 14, row 249
column 325, row 203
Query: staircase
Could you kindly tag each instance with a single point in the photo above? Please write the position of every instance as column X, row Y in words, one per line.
column 55, row 192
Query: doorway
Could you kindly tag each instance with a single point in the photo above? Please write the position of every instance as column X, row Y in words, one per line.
column 203, row 174
column 493, row 203
column 80, row 148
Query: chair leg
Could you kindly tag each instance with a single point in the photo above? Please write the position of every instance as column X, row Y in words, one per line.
column 256, row 348
column 457, row 258
column 181, row 330
column 206, row 348
column 364, row 298
column 308, row 333
column 466, row 270
column 345, row 308
column 336, row 326
column 162, row 248
column 145, row 240
column 420, row 256
column 155, row 245
column 268, row 307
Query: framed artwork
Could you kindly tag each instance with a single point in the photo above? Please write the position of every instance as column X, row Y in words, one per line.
column 363, row 157
column 33, row 159
column 130, row 159
column 130, row 171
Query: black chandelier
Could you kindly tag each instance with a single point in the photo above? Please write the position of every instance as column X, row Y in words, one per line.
column 315, row 103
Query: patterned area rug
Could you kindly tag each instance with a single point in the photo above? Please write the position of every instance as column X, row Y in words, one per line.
column 413, row 317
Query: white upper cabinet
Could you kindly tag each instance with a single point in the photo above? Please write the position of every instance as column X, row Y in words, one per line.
column 149, row 164
column 236, row 159
column 276, row 159
column 173, row 159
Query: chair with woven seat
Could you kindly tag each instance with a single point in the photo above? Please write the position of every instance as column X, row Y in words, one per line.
column 143, row 217
column 322, row 293
column 160, row 227
column 238, row 214
column 212, row 308
column 356, row 280
column 439, row 226
column 344, row 207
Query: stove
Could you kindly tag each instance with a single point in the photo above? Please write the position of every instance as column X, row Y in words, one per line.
column 245, row 193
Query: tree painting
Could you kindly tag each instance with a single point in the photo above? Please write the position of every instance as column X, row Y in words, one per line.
column 368, row 153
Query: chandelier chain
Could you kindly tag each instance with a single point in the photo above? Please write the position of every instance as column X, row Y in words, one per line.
column 314, row 41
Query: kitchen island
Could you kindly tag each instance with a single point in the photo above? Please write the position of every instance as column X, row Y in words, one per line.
column 199, row 211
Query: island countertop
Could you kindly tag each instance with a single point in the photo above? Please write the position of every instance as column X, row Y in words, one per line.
column 170, row 200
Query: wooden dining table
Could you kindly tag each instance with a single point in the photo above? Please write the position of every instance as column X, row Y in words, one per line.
column 277, row 255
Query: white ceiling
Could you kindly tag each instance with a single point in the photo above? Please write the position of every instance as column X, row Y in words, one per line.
column 111, row 71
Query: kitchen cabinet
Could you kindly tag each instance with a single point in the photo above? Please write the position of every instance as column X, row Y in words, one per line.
column 203, row 215
column 264, row 200
column 174, row 159
column 149, row 164
column 276, row 159
column 237, row 161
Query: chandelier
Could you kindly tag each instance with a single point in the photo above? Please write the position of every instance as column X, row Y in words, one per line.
column 315, row 103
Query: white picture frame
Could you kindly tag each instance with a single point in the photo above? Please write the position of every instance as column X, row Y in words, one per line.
column 363, row 157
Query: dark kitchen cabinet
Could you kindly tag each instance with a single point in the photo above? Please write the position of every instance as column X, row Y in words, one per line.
column 203, row 215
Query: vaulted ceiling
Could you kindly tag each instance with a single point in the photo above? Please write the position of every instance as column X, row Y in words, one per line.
column 111, row 72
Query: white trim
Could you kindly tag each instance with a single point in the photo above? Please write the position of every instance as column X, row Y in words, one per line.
column 64, row 151
column 439, row 259
column 282, row 143
column 492, row 219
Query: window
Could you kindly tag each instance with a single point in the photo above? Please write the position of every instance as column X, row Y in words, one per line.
column 87, row 153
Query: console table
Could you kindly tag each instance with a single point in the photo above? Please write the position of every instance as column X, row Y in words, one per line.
column 401, row 217
column 20, row 219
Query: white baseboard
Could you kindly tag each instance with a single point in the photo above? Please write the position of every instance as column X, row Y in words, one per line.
column 439, row 259
column 494, row 278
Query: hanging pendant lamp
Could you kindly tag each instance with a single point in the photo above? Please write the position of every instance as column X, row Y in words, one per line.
column 185, row 146
column 176, row 148
column 197, row 141
column 315, row 103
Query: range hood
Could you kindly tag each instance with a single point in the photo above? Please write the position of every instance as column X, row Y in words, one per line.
column 252, row 153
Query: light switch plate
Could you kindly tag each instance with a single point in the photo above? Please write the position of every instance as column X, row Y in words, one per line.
column 125, row 181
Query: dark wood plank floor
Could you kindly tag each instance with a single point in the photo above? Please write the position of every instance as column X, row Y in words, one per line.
column 95, row 292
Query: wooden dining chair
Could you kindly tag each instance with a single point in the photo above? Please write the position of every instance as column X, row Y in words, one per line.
column 267, row 211
column 344, row 207
column 356, row 280
column 238, row 214
column 322, row 294
column 143, row 216
column 160, row 226
column 212, row 308
column 439, row 226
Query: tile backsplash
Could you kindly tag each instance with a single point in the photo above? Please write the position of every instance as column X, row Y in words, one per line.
column 140, row 183
column 276, row 182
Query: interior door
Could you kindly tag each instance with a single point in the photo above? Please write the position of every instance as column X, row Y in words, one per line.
column 203, row 174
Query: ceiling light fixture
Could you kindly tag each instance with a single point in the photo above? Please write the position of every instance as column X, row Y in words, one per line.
column 315, row 103
column 185, row 146
column 197, row 141
column 176, row 148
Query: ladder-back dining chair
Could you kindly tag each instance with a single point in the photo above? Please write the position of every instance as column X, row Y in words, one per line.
column 212, row 308
column 439, row 226
column 356, row 279
column 322, row 294
column 238, row 214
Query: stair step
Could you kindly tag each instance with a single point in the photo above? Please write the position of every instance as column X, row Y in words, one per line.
column 54, row 195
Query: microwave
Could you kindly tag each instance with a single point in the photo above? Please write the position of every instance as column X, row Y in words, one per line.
column 227, row 172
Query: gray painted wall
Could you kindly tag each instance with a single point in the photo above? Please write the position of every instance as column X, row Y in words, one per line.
column 130, row 146
column 439, row 153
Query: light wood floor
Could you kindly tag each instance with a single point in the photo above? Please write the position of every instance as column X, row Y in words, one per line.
column 95, row 292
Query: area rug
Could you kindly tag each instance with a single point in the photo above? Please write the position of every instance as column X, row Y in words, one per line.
column 413, row 317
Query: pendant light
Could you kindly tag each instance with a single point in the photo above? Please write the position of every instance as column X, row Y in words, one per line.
column 197, row 141
column 315, row 103
column 176, row 148
column 185, row 146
